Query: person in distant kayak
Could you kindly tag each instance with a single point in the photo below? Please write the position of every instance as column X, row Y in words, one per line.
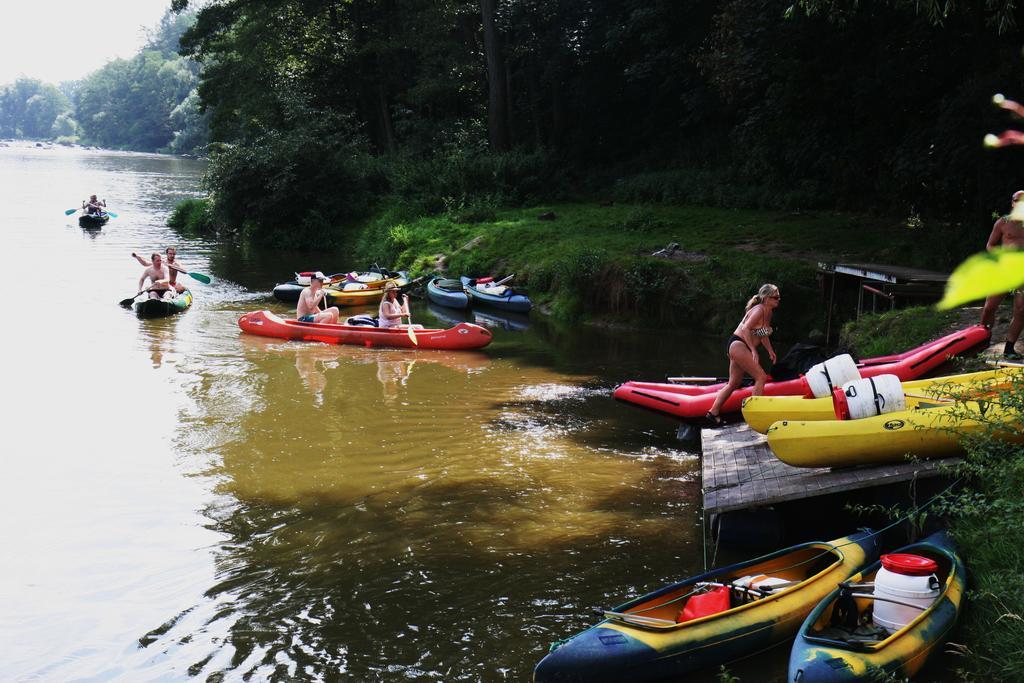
column 392, row 309
column 753, row 331
column 156, row 272
column 173, row 268
column 1008, row 234
column 308, row 309
column 94, row 207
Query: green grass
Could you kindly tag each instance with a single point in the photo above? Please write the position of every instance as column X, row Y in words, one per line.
column 894, row 332
column 593, row 261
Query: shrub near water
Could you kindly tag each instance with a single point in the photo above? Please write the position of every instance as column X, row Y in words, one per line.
column 193, row 216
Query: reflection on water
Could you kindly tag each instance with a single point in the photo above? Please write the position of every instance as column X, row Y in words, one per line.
column 392, row 375
column 215, row 504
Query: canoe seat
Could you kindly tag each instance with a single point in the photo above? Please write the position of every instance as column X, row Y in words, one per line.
column 866, row 633
column 449, row 285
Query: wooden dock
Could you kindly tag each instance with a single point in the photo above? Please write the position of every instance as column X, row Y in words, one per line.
column 740, row 471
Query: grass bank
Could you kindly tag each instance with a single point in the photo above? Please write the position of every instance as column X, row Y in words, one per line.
column 593, row 261
column 894, row 331
column 584, row 260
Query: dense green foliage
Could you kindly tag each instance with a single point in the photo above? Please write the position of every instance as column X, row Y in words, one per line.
column 35, row 110
column 146, row 103
column 729, row 103
column 193, row 217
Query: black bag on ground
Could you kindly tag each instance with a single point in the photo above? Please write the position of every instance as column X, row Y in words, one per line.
column 798, row 360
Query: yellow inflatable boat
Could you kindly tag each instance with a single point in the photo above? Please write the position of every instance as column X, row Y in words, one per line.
column 761, row 412
column 930, row 430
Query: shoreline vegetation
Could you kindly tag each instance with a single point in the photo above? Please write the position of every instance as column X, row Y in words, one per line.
column 621, row 260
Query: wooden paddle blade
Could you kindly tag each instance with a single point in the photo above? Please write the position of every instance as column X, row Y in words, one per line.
column 205, row 279
column 412, row 336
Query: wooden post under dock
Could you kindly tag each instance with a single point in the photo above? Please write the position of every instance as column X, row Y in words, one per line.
column 739, row 470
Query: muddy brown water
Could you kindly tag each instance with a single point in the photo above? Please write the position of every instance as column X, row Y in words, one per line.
column 184, row 501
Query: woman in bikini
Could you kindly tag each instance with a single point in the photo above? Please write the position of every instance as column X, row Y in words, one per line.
column 754, row 330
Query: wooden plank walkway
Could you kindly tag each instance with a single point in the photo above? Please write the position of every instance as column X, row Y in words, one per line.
column 739, row 470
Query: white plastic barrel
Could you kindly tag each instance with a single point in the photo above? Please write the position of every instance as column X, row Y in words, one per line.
column 908, row 579
column 873, row 396
column 303, row 278
column 835, row 372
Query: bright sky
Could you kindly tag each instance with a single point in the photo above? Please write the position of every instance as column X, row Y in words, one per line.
column 62, row 40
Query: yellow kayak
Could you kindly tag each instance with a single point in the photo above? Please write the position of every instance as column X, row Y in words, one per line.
column 761, row 412
column 762, row 602
column 359, row 293
column 931, row 430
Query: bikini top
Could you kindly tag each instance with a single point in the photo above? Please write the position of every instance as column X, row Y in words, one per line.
column 765, row 331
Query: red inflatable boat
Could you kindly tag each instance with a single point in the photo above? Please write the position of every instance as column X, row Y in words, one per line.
column 687, row 401
column 462, row 336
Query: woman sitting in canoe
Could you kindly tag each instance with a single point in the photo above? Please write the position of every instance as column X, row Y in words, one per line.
column 754, row 330
column 391, row 310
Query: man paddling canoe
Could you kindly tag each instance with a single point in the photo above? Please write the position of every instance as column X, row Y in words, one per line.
column 157, row 273
column 94, row 207
column 173, row 266
column 308, row 308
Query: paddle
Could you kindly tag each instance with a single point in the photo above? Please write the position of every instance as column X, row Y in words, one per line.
column 127, row 303
column 205, row 279
column 681, row 380
column 925, row 397
column 412, row 334
column 71, row 211
column 1004, row 364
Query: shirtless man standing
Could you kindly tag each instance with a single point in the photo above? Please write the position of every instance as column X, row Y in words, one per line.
column 158, row 277
column 173, row 266
column 309, row 300
column 1007, row 234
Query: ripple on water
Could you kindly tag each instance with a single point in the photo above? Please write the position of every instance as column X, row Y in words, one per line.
column 216, row 504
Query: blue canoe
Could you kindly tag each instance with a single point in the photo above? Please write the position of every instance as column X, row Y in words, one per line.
column 828, row 652
column 645, row 639
column 506, row 300
column 449, row 293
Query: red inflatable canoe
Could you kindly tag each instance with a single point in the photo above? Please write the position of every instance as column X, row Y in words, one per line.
column 686, row 401
column 462, row 336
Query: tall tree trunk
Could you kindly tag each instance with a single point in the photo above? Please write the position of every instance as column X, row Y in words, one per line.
column 497, row 88
column 387, row 130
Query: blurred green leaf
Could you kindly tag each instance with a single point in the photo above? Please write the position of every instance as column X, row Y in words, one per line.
column 982, row 275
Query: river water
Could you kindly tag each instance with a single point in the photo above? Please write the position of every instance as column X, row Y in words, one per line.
column 180, row 500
